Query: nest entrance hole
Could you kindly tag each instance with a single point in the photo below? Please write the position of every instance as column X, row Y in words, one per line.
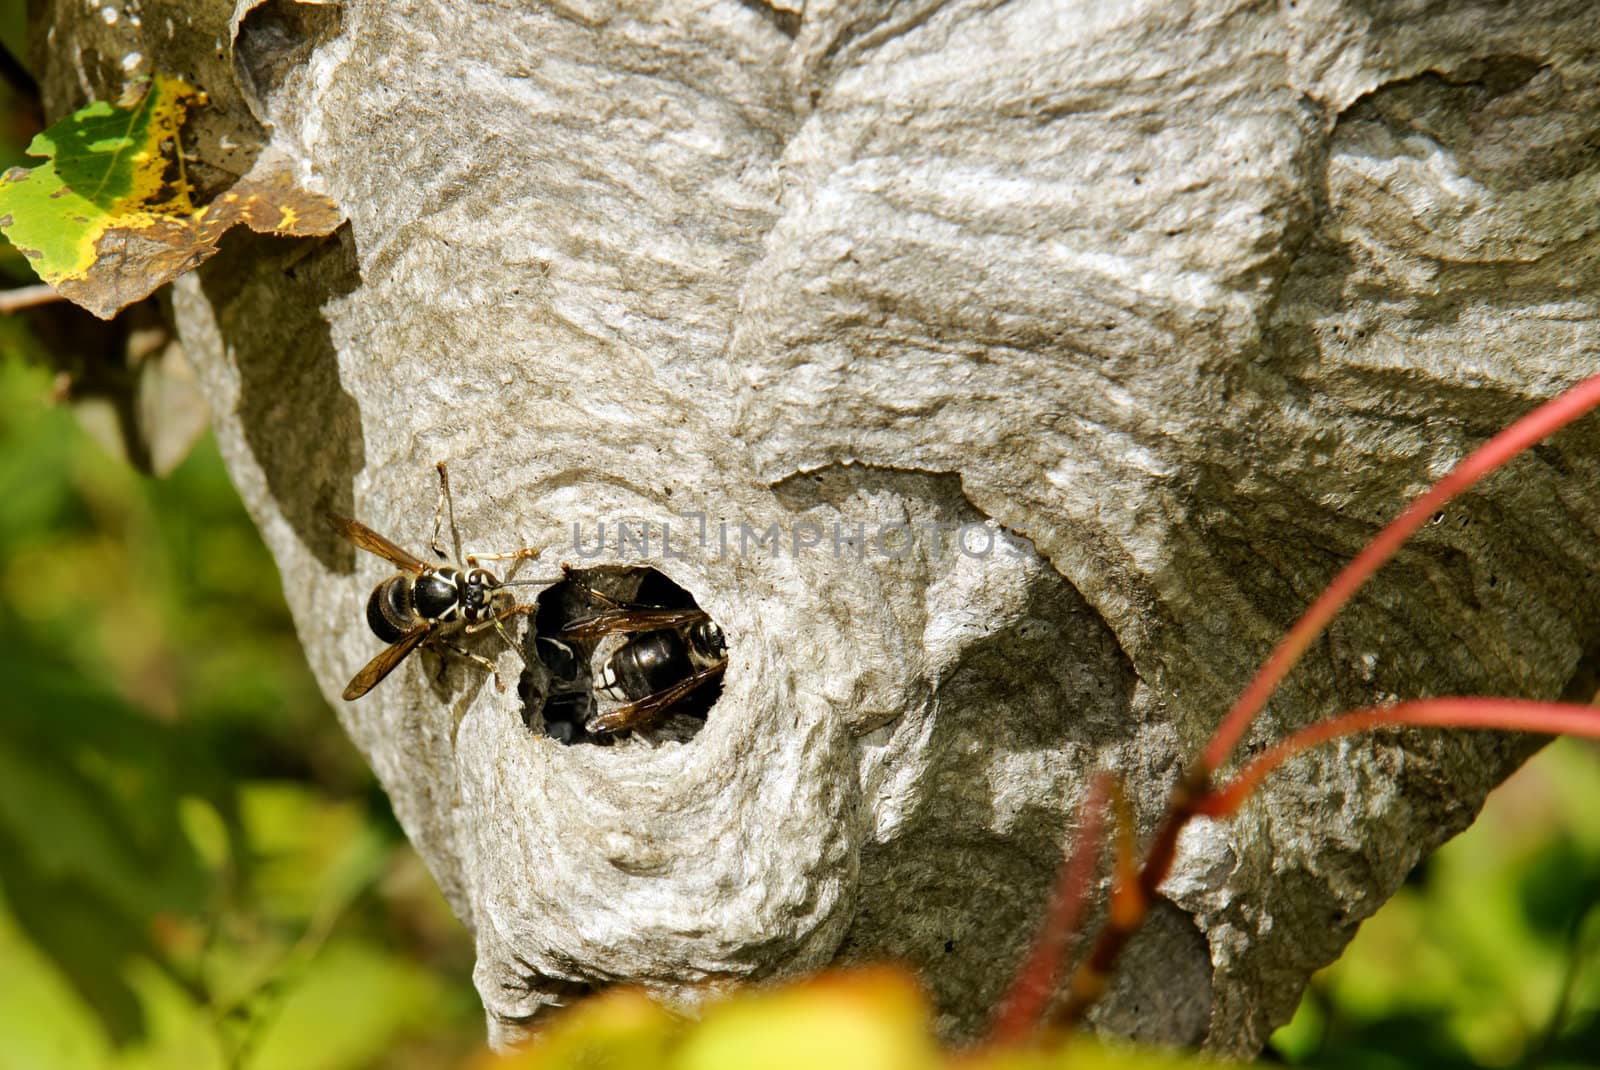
column 603, row 625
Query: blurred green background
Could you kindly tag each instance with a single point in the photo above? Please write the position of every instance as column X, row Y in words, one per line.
column 1489, row 956
column 196, row 869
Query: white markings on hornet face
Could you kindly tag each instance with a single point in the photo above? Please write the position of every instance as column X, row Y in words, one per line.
column 608, row 683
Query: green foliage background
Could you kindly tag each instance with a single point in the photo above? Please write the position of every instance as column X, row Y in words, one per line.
column 196, row 869
column 1489, row 956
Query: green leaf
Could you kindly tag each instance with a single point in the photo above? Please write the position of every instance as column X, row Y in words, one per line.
column 346, row 1010
column 107, row 169
column 41, row 1017
column 109, row 216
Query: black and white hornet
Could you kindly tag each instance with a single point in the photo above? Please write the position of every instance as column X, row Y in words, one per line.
column 425, row 602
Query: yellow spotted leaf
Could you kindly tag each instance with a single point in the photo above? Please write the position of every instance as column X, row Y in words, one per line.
column 872, row 1018
column 108, row 217
column 622, row 1030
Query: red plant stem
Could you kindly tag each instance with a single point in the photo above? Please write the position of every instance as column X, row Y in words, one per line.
column 1131, row 906
column 1192, row 797
column 1037, row 980
column 1193, row 794
column 1541, row 422
column 1125, row 903
column 1517, row 715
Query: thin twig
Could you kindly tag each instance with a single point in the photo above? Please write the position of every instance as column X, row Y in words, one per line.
column 22, row 297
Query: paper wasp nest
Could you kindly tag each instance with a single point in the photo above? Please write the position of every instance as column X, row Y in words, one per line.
column 1162, row 309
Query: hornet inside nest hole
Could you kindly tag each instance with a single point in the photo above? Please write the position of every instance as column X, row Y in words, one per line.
column 616, row 651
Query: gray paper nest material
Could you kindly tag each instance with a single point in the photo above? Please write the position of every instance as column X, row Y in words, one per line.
column 1176, row 302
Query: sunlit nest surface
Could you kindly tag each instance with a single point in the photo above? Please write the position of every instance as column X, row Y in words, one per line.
column 600, row 627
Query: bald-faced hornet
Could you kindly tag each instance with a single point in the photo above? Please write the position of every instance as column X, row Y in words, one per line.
column 671, row 654
column 424, row 602
column 664, row 656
